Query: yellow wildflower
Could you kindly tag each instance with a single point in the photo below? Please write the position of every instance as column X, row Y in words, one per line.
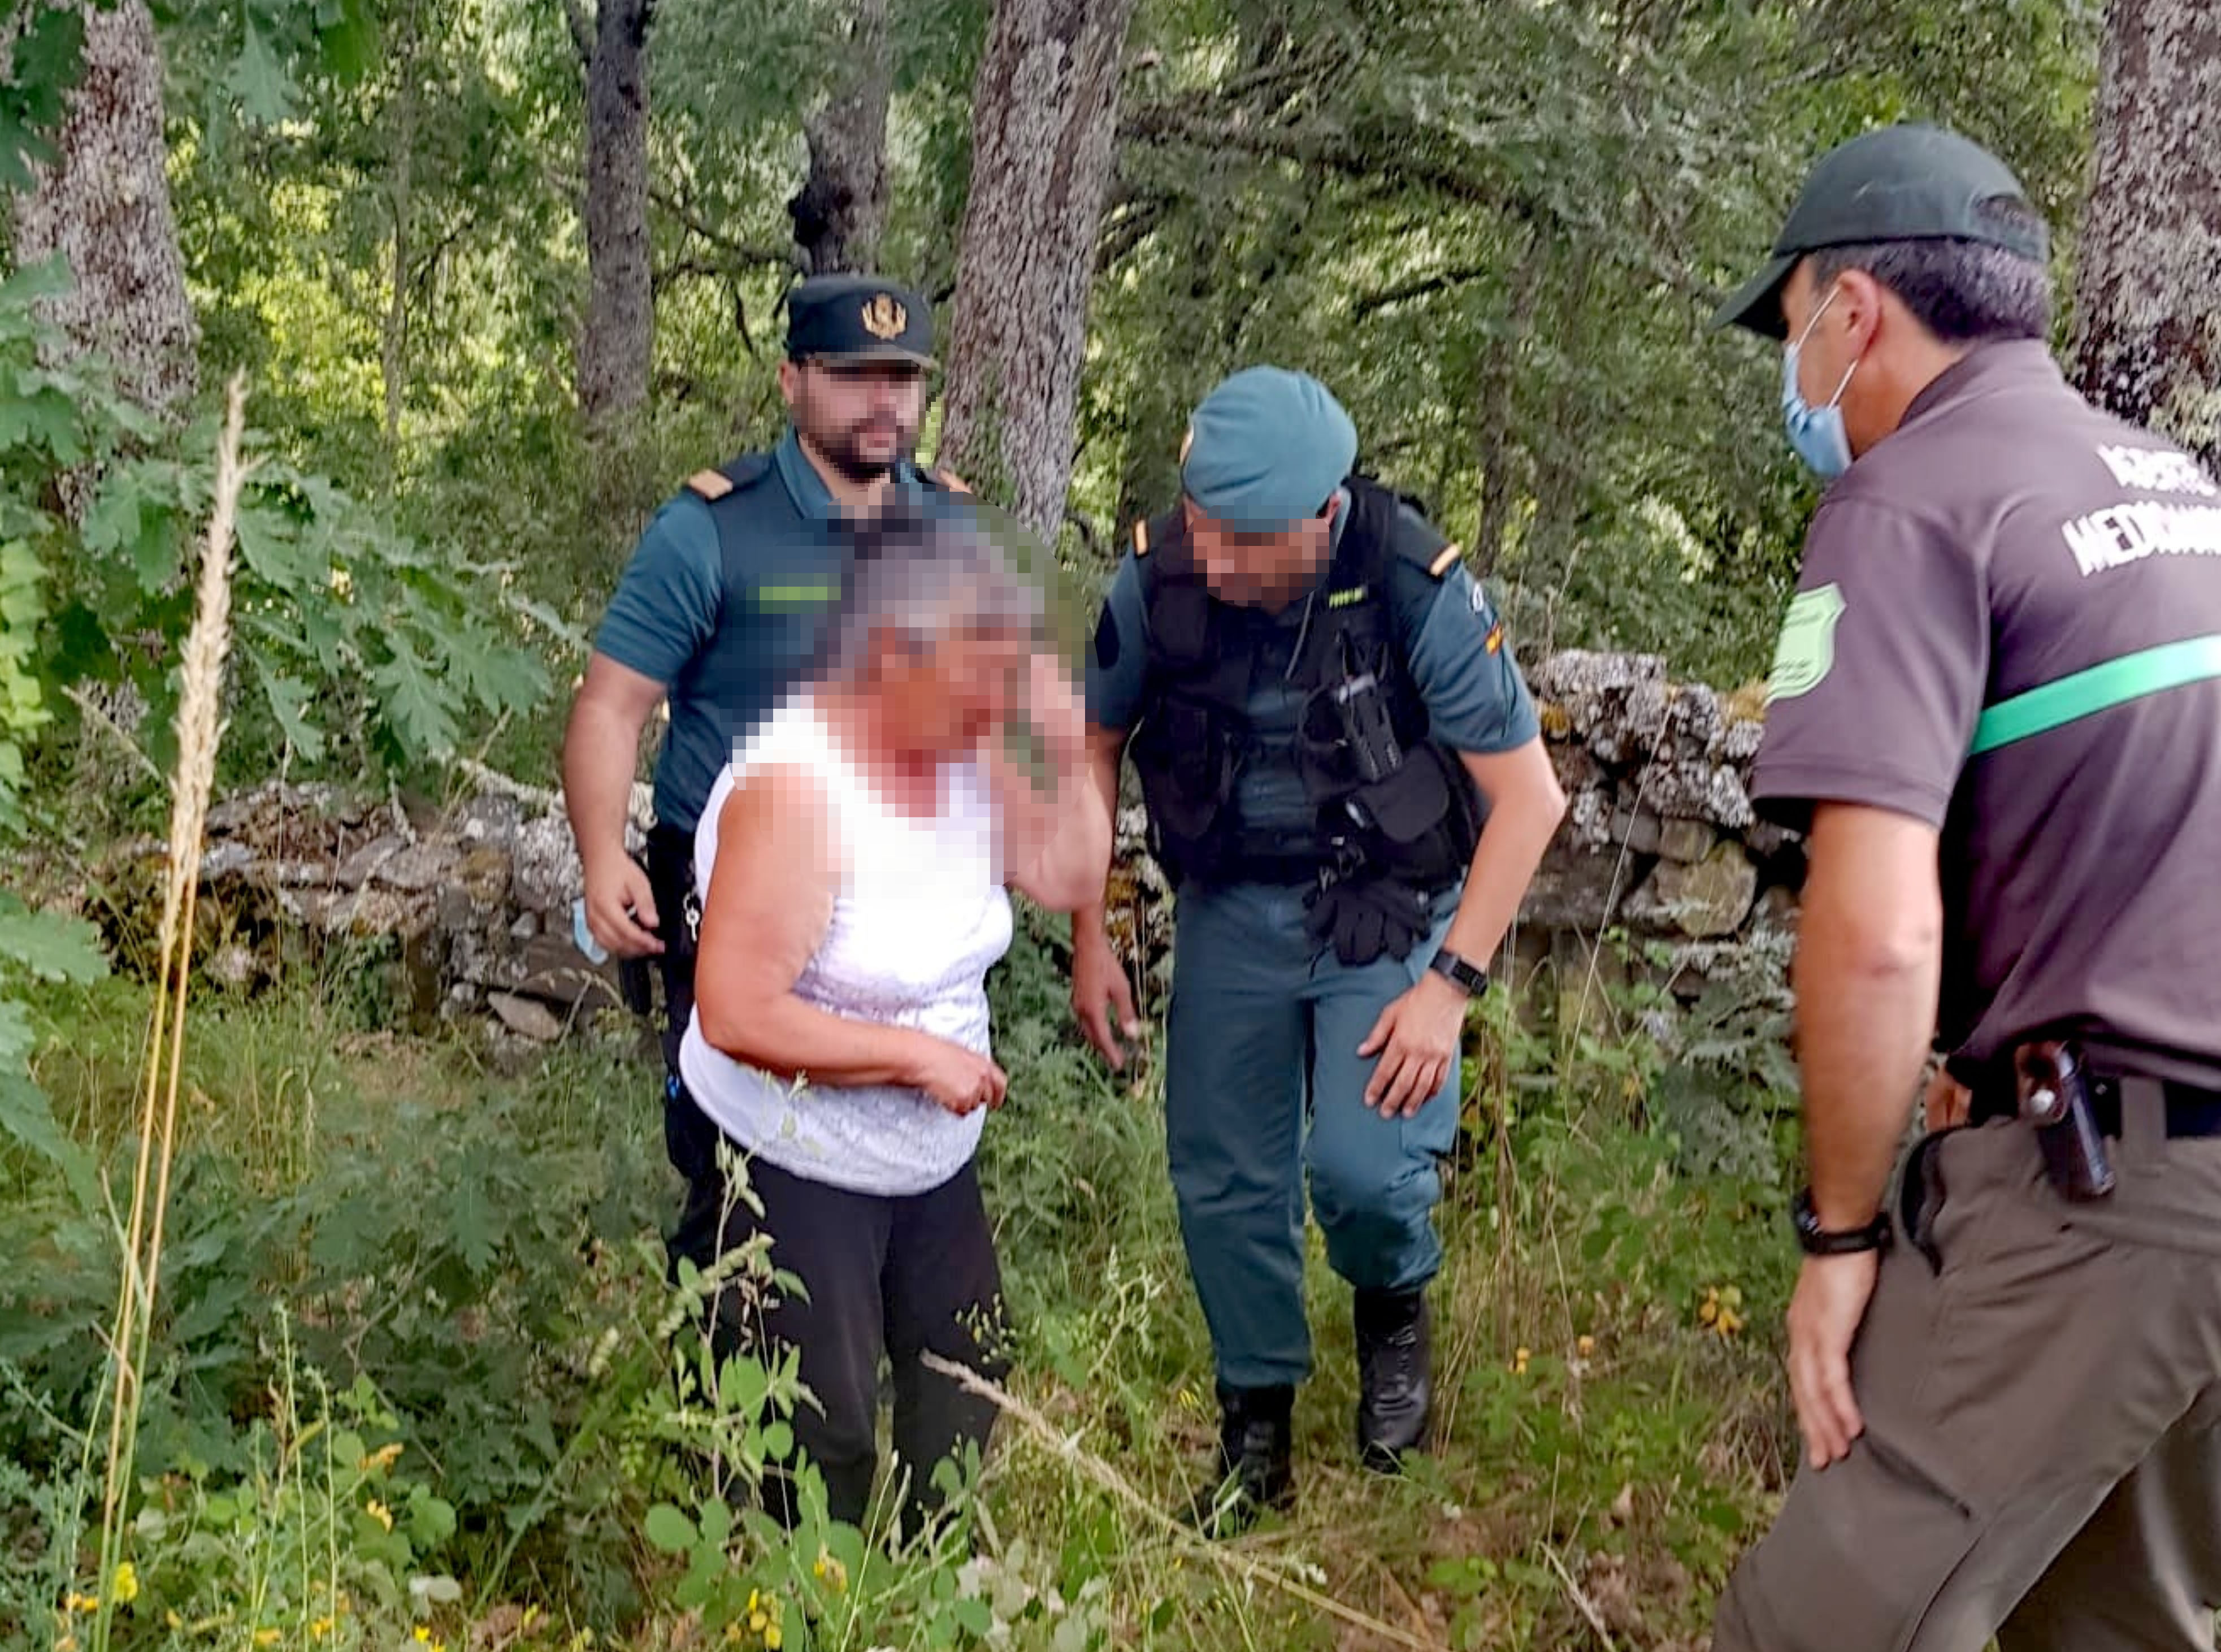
column 1519, row 1358
column 1584, row 1347
column 421, row 1634
column 385, row 1457
column 171, row 1618
column 758, row 1621
column 77, row 1603
column 772, row 1638
column 123, row 1587
column 377, row 1512
column 266, row 1638
column 320, row 1629
column 753, row 1598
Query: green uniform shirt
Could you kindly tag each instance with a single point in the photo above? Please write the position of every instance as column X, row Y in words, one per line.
column 728, row 631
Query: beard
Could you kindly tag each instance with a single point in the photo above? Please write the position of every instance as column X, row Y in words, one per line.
column 846, row 451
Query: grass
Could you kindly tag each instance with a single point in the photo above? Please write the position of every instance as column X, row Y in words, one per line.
column 472, row 1256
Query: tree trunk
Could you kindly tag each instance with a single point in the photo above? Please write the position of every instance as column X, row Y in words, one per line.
column 2147, row 317
column 1043, row 115
column 843, row 205
column 614, row 351
column 104, row 203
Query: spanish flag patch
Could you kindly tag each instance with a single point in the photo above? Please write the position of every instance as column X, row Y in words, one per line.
column 1495, row 643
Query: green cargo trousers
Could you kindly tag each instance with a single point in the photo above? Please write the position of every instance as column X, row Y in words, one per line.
column 1262, row 1039
column 2041, row 1459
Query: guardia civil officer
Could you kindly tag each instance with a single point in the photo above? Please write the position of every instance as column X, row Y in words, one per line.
column 1323, row 713
column 1995, row 702
column 720, row 612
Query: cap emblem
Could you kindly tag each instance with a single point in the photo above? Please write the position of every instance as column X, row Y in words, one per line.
column 883, row 318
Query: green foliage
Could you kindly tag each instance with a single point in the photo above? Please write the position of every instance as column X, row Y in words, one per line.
column 416, row 1247
column 360, row 648
column 40, row 947
column 46, row 60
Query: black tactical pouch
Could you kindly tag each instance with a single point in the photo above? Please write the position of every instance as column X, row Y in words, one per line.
column 1188, row 768
column 1422, row 822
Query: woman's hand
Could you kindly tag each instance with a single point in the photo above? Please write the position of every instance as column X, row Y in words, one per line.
column 960, row 1080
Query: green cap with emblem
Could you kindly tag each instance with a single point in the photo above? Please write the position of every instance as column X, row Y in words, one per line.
column 1266, row 449
column 858, row 318
column 1901, row 183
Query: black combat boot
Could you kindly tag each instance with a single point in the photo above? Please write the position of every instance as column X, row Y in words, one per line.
column 1395, row 1387
column 1257, row 1433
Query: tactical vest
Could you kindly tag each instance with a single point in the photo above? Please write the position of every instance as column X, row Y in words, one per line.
column 1416, row 817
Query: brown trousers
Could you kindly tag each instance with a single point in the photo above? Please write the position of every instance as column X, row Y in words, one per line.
column 2041, row 1459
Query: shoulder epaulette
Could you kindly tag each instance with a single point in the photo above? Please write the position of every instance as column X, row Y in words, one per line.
column 1141, row 538
column 1416, row 540
column 744, row 472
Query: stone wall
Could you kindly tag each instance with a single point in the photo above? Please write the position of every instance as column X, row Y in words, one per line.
column 1660, row 844
column 477, row 899
column 1660, row 841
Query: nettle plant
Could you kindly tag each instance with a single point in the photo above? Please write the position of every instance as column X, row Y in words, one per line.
column 355, row 647
column 356, row 651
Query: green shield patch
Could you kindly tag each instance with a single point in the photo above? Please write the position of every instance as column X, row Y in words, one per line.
column 1807, row 650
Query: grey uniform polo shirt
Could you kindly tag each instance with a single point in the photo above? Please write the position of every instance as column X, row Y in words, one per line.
column 2005, row 535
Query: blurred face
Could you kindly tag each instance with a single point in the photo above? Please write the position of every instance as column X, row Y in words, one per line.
column 1260, row 569
column 859, row 417
column 945, row 696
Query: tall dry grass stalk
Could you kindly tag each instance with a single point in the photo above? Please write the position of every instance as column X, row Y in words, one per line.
column 200, row 729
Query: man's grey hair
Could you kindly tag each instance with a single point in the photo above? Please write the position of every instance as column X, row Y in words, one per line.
column 1963, row 292
column 927, row 578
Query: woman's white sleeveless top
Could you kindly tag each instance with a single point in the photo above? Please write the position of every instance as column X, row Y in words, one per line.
column 919, row 917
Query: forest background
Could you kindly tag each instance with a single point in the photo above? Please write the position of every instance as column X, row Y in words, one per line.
column 495, row 275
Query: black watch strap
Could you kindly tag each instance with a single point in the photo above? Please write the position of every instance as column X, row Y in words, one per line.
column 1450, row 966
column 1817, row 1240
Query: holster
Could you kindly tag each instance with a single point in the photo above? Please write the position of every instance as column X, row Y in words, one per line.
column 2054, row 1097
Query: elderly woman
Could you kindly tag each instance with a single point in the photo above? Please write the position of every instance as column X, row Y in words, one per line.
column 854, row 860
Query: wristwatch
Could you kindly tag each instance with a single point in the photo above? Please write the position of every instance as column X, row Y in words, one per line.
column 1817, row 1240
column 1451, row 967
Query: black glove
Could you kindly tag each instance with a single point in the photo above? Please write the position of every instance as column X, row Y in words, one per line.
column 1364, row 918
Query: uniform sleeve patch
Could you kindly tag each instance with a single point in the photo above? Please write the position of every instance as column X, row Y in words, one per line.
column 1141, row 539
column 1806, row 652
column 1444, row 560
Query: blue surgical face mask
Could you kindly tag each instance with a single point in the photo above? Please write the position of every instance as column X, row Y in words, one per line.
column 1817, row 433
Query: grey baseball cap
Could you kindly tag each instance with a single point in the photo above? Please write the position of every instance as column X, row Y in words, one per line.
column 1900, row 183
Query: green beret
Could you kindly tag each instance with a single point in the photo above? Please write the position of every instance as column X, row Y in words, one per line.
column 1266, row 449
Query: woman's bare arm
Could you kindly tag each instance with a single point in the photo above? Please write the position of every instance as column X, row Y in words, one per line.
column 770, row 900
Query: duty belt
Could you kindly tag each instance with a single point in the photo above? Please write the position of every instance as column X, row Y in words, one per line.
column 2191, row 1112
